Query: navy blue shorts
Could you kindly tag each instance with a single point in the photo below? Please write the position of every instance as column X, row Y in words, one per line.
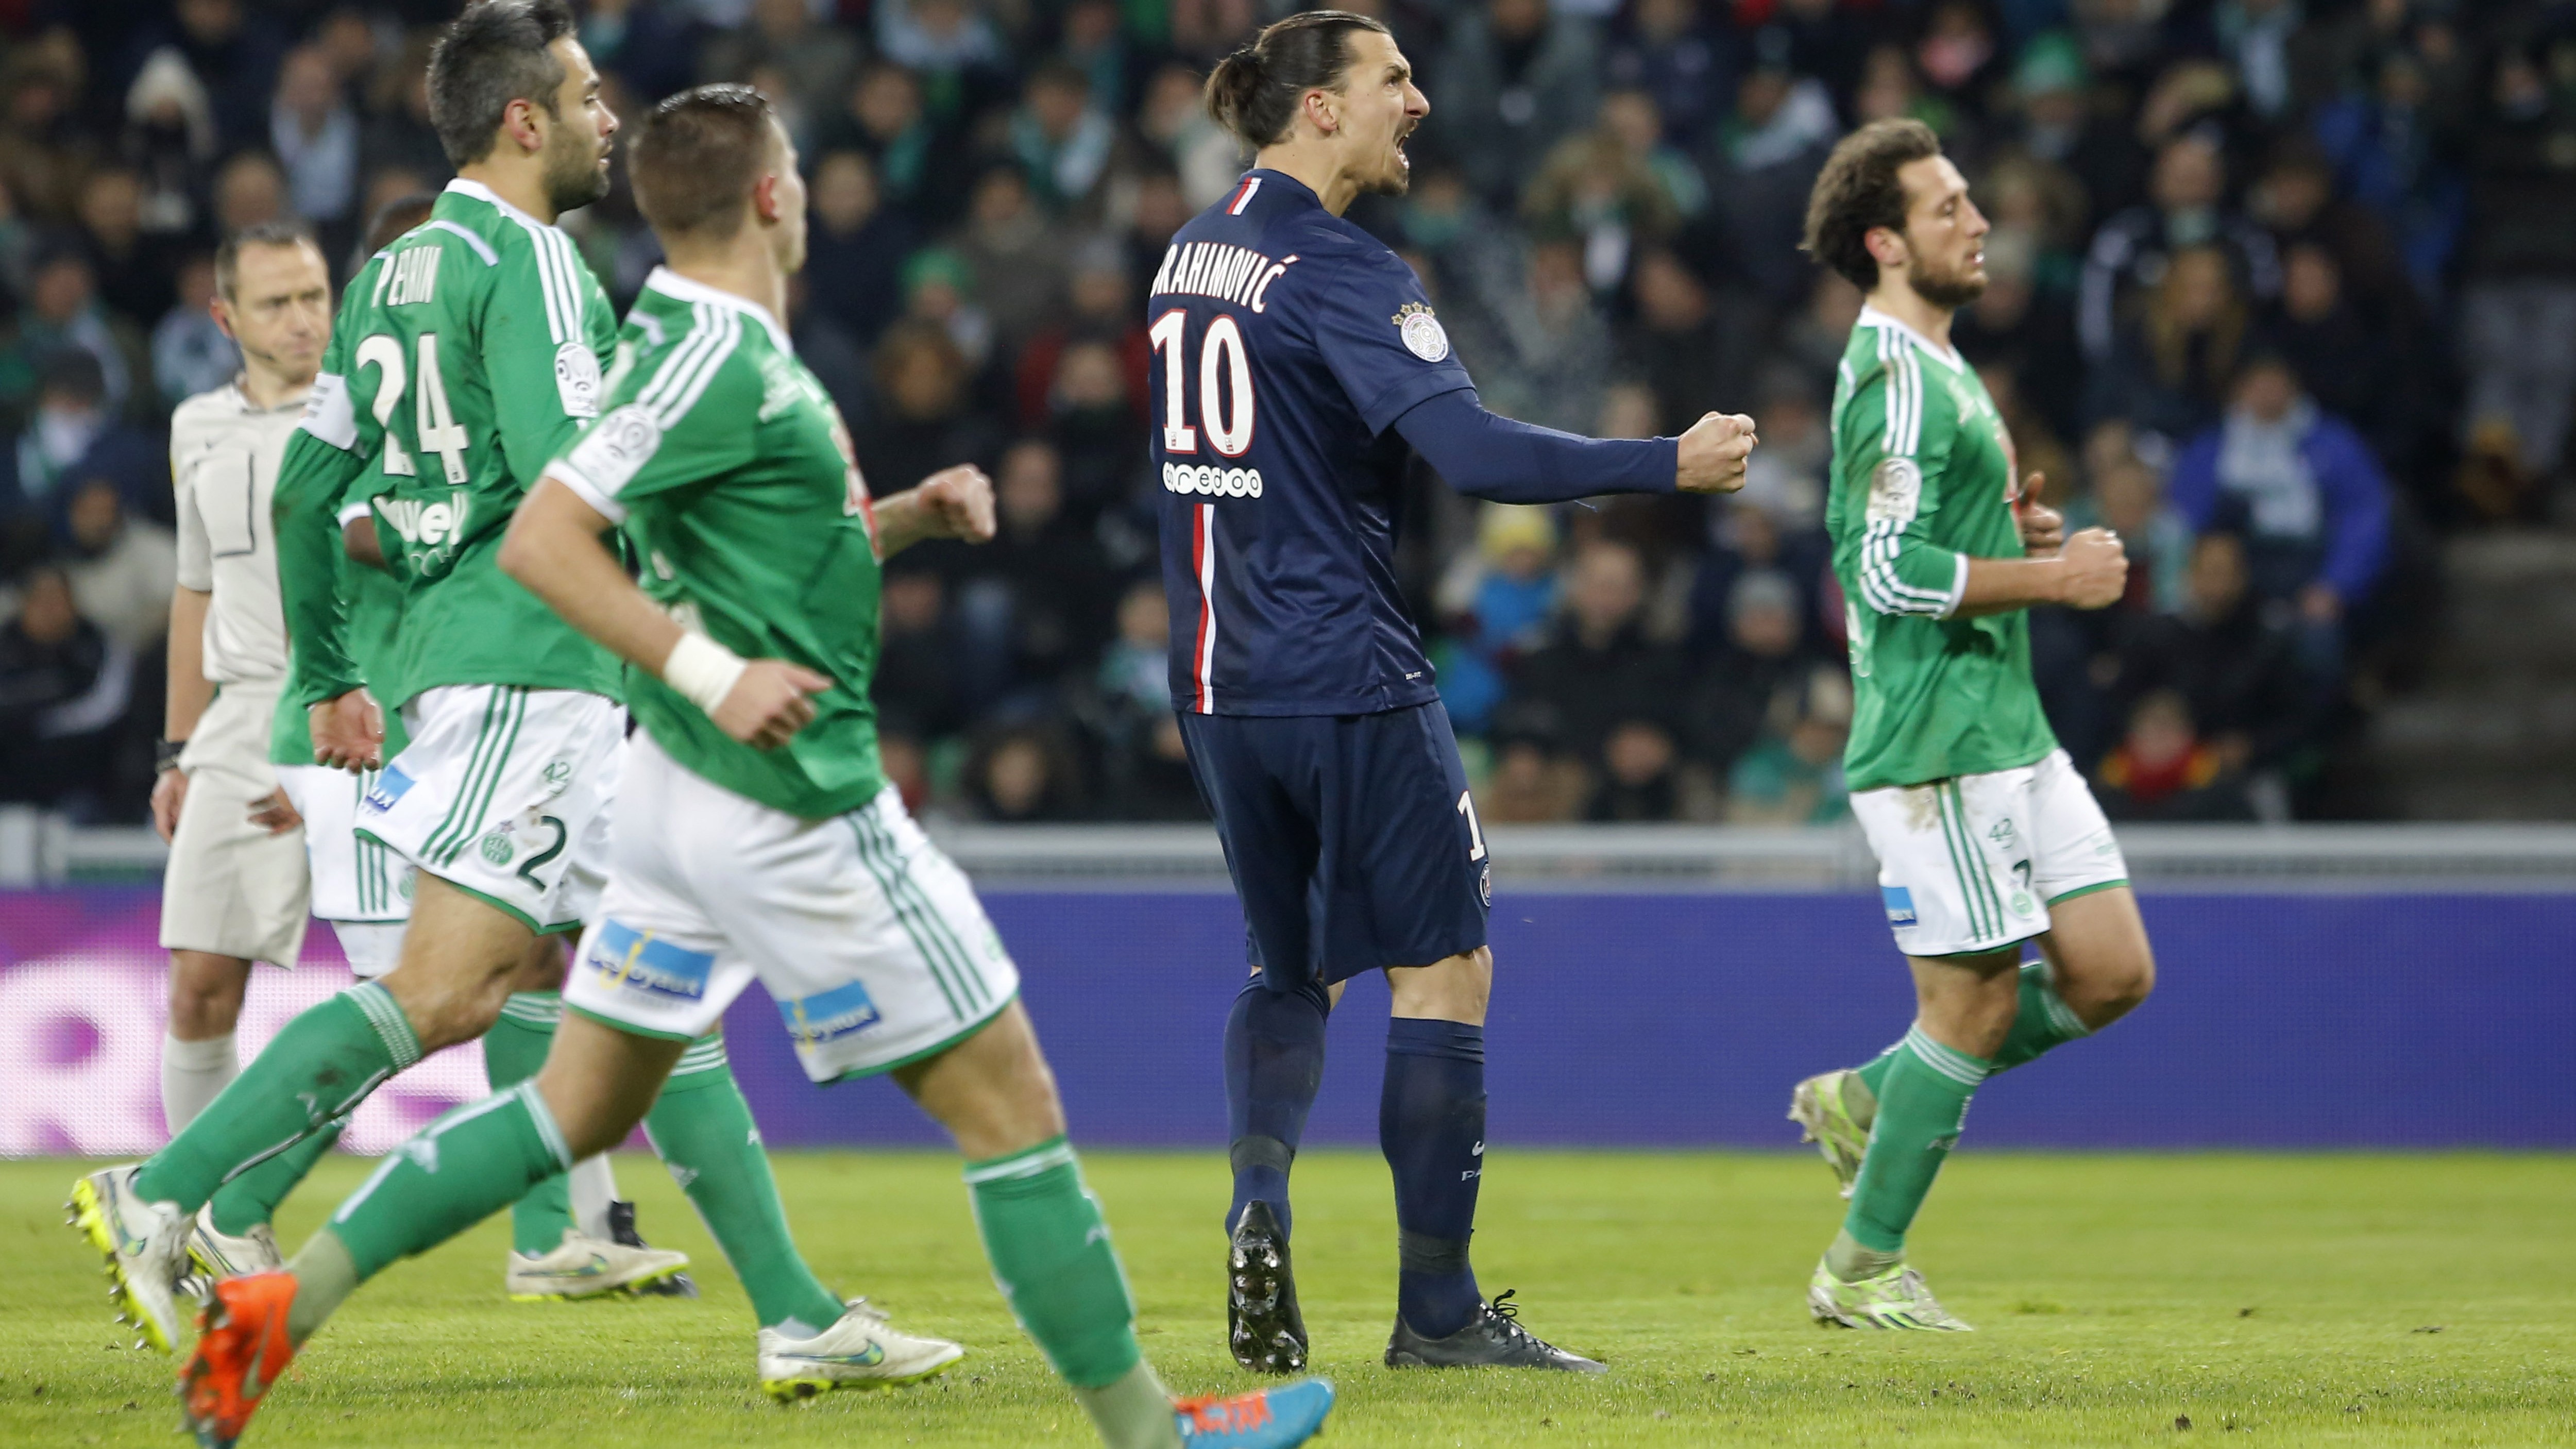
column 1351, row 839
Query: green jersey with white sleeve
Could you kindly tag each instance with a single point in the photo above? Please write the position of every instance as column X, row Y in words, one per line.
column 466, row 354
column 1923, row 480
column 731, row 472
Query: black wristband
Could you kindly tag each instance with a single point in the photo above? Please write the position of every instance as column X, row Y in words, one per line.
column 165, row 754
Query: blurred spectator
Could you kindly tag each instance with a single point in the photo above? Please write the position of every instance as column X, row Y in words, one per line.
column 233, row 52
column 1767, row 152
column 315, row 134
column 132, row 266
column 170, row 137
column 1099, row 308
column 2168, row 374
column 2186, row 210
column 73, row 436
column 651, row 45
column 1529, row 783
column 1793, row 775
column 2312, row 503
column 1495, row 603
column 2061, row 126
column 1598, row 669
column 1207, row 158
column 1035, row 602
column 916, row 165
column 65, row 687
column 2234, row 662
column 916, row 691
column 1667, row 49
column 1641, row 775
column 1759, row 656
column 398, row 132
column 1061, row 138
column 2518, row 298
column 813, row 62
column 1613, row 188
column 1016, row 254
column 190, row 354
column 2163, row 770
column 952, row 46
column 1091, row 421
column 2027, row 332
column 1144, row 765
column 920, row 420
column 1694, row 348
column 121, row 568
column 829, row 350
column 1555, row 350
column 1023, row 775
column 1513, row 81
column 42, row 151
column 2346, row 369
column 249, row 190
column 2256, row 37
column 2388, row 155
column 856, row 247
column 63, row 315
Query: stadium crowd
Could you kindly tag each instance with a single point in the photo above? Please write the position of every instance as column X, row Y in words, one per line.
column 2281, row 289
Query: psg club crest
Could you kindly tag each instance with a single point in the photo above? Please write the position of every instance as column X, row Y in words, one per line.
column 1423, row 335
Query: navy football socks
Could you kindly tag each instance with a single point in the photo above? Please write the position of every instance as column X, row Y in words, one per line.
column 1431, row 1123
column 1274, row 1063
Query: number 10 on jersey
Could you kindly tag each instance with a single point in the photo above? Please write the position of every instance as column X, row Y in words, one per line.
column 1225, row 372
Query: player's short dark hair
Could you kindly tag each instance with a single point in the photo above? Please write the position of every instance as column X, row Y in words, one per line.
column 1858, row 192
column 696, row 157
column 257, row 234
column 1254, row 92
column 494, row 53
column 391, row 220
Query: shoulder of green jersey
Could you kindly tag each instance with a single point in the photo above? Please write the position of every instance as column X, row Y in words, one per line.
column 617, row 447
column 560, row 275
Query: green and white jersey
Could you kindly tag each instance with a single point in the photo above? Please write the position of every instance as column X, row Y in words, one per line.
column 731, row 472
column 466, row 355
column 371, row 602
column 1923, row 480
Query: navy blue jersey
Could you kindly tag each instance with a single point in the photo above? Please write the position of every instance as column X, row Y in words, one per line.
column 1287, row 342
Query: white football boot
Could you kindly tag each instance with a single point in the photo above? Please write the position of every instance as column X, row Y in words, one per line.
column 859, row 1351
column 585, row 1267
column 146, row 1247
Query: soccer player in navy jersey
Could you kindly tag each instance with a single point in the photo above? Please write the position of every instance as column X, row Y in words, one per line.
column 1297, row 361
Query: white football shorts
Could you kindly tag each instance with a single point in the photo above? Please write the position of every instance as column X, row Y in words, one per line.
column 868, row 937
column 1972, row 864
column 359, row 886
column 231, row 887
column 504, row 793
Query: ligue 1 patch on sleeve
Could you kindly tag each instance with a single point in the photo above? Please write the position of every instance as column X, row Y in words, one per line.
column 577, row 379
column 1895, row 489
column 829, row 1015
column 616, row 448
column 1423, row 335
column 391, row 785
column 631, row 960
column 1900, row 905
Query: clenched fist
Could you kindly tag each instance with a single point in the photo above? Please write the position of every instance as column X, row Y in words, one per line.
column 1711, row 456
column 2093, row 570
column 958, row 503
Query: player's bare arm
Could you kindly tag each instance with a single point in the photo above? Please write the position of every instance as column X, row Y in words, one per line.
column 189, row 694
column 554, row 550
column 2090, row 572
column 951, row 503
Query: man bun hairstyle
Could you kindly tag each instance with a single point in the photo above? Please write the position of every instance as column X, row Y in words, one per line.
column 1255, row 91
column 1858, row 192
column 493, row 54
column 696, row 157
column 257, row 234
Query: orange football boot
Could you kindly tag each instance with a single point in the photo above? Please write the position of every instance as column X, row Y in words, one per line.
column 241, row 1349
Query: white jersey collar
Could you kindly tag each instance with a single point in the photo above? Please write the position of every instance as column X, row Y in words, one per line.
column 679, row 288
column 489, row 197
column 1872, row 317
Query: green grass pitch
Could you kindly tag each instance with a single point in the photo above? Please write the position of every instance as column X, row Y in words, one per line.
column 2263, row 1299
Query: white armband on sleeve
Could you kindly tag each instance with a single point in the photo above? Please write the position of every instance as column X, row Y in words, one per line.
column 328, row 414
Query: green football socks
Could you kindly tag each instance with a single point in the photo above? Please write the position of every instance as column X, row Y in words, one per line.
column 2042, row 1023
column 1052, row 1260
column 458, row 1171
column 1922, row 1102
column 320, row 1066
column 251, row 1198
column 702, row 1129
column 514, row 1050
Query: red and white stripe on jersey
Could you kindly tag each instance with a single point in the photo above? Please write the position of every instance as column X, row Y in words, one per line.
column 1203, row 654
column 1243, row 196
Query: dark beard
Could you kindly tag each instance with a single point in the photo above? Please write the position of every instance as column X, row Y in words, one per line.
column 1948, row 293
column 573, row 182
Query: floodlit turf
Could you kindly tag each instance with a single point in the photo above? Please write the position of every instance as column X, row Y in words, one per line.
column 2289, row 1300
